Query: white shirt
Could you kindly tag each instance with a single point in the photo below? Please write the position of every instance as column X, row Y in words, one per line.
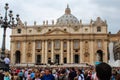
column 26, row 73
column 81, row 77
column 7, row 61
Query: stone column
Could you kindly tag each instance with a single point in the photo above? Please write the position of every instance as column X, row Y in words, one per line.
column 43, row 47
column 91, row 47
column 105, row 53
column 52, row 51
column 72, row 58
column 81, row 51
column 33, row 52
column 61, row 53
column 23, row 53
column 46, row 52
column 12, row 52
column 68, row 51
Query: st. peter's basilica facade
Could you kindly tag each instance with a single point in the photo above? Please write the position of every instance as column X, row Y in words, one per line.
column 65, row 41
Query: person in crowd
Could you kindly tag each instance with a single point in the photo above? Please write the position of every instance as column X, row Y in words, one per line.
column 80, row 75
column 42, row 74
column 118, row 71
column 25, row 74
column 115, row 75
column 7, row 76
column 48, row 75
column 62, row 74
column 103, row 71
column 37, row 75
column 94, row 76
column 32, row 75
column 28, row 76
column 72, row 74
column 21, row 75
column 1, row 75
column 7, row 62
column 15, row 77
column 88, row 75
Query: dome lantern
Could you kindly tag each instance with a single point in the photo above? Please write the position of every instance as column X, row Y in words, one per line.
column 67, row 10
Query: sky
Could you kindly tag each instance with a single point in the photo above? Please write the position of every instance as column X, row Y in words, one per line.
column 40, row 10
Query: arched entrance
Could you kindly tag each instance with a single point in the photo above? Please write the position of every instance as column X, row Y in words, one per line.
column 17, row 56
column 76, row 58
column 100, row 55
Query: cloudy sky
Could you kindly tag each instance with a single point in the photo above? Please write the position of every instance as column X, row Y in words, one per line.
column 39, row 10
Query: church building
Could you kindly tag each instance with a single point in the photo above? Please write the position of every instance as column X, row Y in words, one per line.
column 65, row 41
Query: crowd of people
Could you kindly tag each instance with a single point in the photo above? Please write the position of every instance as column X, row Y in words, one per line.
column 100, row 72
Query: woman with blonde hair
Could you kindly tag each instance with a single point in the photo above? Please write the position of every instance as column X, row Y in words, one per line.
column 7, row 76
column 37, row 75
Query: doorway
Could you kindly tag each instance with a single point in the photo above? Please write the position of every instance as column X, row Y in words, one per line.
column 76, row 58
column 17, row 57
column 100, row 55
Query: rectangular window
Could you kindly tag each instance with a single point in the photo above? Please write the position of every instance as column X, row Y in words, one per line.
column 76, row 44
column 99, row 44
column 19, row 31
column 64, row 45
column 65, row 60
column 18, row 45
column 49, row 45
column 98, row 29
column 38, row 45
column 57, row 44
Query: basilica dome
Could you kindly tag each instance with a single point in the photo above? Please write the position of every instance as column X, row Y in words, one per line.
column 67, row 18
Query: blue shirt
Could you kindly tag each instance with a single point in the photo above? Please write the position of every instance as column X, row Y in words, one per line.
column 48, row 77
column 113, row 77
column 32, row 75
column 6, row 78
column 20, row 74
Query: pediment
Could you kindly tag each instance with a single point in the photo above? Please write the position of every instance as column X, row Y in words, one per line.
column 56, row 31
